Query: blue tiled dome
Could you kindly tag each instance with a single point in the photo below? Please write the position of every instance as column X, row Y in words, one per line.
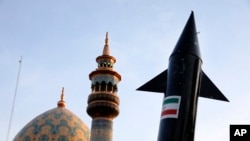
column 58, row 124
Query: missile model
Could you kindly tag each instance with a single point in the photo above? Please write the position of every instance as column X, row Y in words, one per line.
column 181, row 84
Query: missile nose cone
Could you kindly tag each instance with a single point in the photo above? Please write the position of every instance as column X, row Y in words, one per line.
column 188, row 41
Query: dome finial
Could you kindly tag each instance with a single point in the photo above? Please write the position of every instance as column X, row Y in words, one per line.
column 106, row 46
column 61, row 103
column 62, row 95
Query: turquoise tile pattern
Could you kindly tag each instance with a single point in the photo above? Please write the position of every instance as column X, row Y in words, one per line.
column 58, row 124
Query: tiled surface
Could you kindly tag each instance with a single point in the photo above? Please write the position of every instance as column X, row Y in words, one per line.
column 58, row 124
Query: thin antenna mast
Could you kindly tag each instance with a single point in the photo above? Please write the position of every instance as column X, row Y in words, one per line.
column 14, row 98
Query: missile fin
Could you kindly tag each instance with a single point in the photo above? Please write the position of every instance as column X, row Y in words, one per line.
column 157, row 84
column 209, row 90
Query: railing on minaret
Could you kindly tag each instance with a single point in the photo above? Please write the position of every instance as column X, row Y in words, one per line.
column 103, row 102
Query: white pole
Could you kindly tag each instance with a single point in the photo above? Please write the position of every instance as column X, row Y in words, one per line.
column 14, row 99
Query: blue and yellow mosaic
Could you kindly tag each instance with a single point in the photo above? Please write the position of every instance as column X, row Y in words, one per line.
column 58, row 124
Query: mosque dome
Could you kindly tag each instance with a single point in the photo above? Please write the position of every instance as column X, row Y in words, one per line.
column 57, row 124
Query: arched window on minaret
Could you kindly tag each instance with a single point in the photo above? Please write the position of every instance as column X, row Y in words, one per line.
column 110, row 87
column 97, row 87
column 115, row 89
column 103, row 86
column 93, row 87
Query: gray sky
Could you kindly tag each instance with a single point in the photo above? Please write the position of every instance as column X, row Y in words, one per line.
column 60, row 39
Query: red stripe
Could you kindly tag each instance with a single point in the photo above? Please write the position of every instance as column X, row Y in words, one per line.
column 169, row 112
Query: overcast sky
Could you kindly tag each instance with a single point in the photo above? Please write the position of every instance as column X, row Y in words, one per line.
column 60, row 39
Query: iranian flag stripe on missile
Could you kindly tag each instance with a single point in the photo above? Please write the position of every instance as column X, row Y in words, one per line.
column 170, row 107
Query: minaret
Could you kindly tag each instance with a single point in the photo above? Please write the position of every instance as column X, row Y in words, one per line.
column 103, row 102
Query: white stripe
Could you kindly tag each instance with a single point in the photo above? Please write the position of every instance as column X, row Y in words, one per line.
column 170, row 106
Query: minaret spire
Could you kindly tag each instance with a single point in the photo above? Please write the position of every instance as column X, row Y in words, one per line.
column 106, row 46
column 107, row 38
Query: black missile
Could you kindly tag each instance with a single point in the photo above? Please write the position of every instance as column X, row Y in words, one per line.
column 181, row 84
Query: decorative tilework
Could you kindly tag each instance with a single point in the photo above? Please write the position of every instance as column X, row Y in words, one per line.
column 101, row 129
column 58, row 124
column 106, row 78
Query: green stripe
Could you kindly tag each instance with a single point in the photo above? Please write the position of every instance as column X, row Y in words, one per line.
column 171, row 100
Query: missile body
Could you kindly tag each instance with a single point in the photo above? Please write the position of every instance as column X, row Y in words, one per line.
column 181, row 84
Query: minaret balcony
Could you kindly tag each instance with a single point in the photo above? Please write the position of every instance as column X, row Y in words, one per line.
column 103, row 108
column 104, row 96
